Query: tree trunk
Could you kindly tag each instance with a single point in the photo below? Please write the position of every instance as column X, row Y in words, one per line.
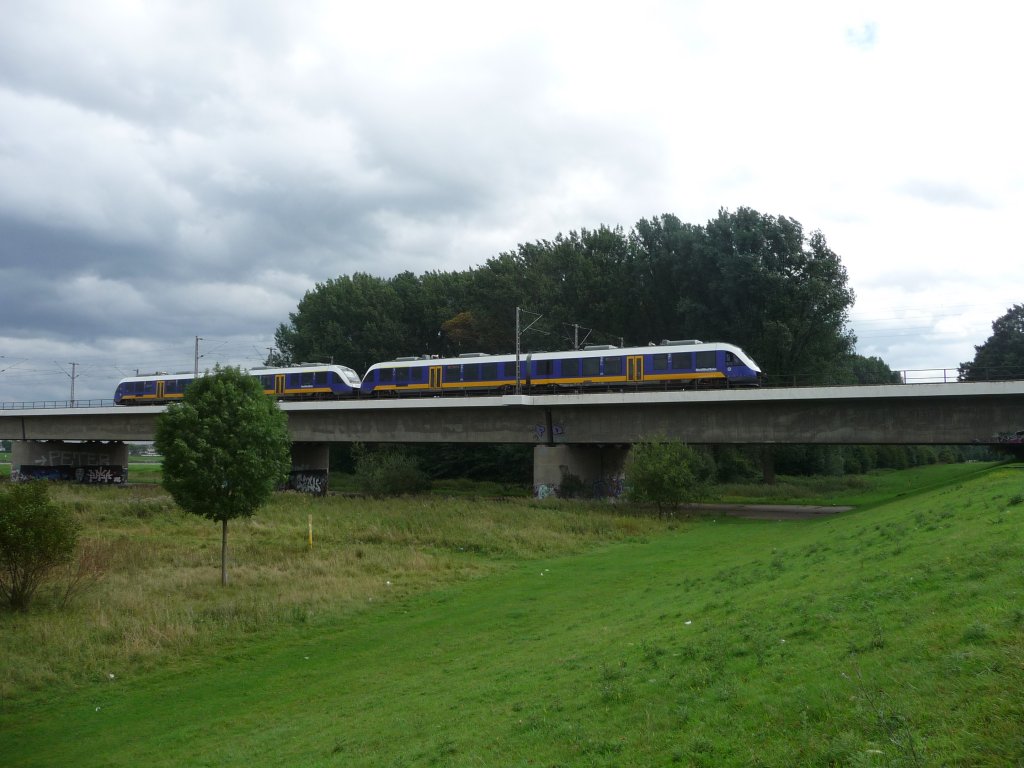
column 224, row 553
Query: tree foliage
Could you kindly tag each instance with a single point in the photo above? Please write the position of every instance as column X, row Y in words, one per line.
column 1001, row 357
column 36, row 536
column 225, row 447
column 751, row 279
column 667, row 472
column 389, row 472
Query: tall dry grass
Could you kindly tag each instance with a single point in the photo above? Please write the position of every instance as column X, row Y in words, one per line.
column 158, row 600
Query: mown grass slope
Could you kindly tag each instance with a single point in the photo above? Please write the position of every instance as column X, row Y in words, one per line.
column 888, row 637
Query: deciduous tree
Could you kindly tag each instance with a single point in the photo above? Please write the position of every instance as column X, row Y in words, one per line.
column 36, row 536
column 1001, row 357
column 225, row 447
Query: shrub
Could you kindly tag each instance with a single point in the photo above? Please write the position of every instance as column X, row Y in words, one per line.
column 389, row 472
column 667, row 472
column 36, row 536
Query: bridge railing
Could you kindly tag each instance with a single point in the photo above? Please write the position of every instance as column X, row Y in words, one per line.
column 910, row 376
column 53, row 404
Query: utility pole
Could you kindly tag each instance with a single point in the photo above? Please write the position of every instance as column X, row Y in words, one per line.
column 196, row 369
column 519, row 332
column 74, row 367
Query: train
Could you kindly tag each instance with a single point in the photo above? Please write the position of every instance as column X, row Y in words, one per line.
column 669, row 365
column 300, row 382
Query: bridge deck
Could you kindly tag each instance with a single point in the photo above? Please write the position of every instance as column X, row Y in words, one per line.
column 951, row 413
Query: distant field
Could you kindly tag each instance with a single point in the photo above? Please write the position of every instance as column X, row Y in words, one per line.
column 458, row 633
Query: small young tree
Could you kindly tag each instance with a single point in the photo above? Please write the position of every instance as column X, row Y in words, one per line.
column 667, row 472
column 36, row 536
column 225, row 447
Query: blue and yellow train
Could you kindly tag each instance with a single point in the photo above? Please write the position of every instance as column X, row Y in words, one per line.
column 300, row 382
column 669, row 365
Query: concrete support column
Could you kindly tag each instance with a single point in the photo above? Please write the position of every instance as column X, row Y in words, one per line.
column 311, row 464
column 581, row 470
column 93, row 462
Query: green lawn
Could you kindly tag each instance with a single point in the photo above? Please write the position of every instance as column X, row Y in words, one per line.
column 518, row 634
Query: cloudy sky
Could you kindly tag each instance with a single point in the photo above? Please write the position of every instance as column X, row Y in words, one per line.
column 179, row 169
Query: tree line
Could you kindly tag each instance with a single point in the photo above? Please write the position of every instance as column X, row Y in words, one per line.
column 751, row 279
column 748, row 278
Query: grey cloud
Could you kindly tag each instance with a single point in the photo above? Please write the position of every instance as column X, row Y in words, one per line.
column 944, row 193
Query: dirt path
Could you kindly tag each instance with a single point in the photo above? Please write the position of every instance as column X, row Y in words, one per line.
column 770, row 511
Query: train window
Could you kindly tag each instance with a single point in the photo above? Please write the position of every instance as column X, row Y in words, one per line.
column 545, row 367
column 386, row 375
column 731, row 359
column 510, row 370
column 471, row 372
column 267, row 382
column 660, row 362
column 452, row 373
column 592, row 366
column 571, row 367
column 613, row 366
column 682, row 361
column 401, row 375
column 706, row 360
column 489, row 371
column 415, row 374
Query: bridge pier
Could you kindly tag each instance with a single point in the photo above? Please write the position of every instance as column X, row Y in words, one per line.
column 587, row 470
column 92, row 462
column 311, row 464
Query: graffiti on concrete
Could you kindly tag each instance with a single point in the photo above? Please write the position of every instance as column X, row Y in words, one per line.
column 609, row 487
column 24, row 474
column 544, row 491
column 313, row 481
column 612, row 487
column 109, row 474
column 62, row 458
column 539, row 431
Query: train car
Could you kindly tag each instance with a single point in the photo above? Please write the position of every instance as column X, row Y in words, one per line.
column 668, row 365
column 309, row 381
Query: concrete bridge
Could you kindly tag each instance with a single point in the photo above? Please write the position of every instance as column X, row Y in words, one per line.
column 587, row 434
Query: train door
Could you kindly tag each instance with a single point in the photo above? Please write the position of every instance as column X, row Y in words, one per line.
column 635, row 368
column 160, row 390
column 435, row 377
column 279, row 384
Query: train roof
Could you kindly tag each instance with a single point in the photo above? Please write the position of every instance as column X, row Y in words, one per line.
column 259, row 371
column 666, row 347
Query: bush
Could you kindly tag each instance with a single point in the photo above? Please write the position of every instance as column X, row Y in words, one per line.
column 389, row 473
column 36, row 536
column 667, row 472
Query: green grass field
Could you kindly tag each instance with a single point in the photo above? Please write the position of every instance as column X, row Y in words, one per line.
column 454, row 632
